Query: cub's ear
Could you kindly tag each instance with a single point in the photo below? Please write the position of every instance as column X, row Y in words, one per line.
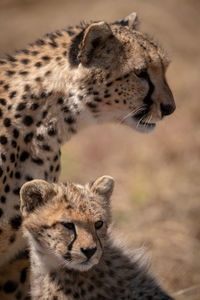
column 33, row 194
column 131, row 21
column 103, row 186
column 94, row 35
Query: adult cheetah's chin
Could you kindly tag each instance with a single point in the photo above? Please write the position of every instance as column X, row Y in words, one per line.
column 140, row 126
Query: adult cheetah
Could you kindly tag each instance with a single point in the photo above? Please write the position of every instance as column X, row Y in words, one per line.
column 72, row 254
column 68, row 80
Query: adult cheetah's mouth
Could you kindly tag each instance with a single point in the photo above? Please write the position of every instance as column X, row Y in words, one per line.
column 140, row 117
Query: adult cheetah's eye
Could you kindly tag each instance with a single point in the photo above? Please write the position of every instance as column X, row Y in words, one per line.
column 98, row 224
column 141, row 73
column 68, row 225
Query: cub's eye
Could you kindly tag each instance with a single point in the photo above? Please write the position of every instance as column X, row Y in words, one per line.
column 98, row 224
column 67, row 225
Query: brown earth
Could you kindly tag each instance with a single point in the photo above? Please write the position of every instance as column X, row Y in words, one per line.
column 156, row 199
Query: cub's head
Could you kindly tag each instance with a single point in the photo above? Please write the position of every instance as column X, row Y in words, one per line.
column 67, row 224
column 121, row 74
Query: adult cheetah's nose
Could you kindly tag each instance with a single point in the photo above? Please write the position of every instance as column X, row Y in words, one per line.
column 167, row 109
column 88, row 252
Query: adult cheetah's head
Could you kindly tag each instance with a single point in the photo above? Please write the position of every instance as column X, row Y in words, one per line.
column 67, row 225
column 121, row 74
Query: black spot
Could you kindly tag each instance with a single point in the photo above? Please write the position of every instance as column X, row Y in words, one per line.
column 39, row 42
column 4, row 179
column 15, row 222
column 40, row 137
column 23, row 73
column 18, row 295
column 37, row 161
column 1, row 212
column 52, row 131
column 109, row 83
column 38, row 64
column 43, row 95
column 28, row 120
column 15, row 133
column 14, row 144
column 28, row 137
column 25, row 61
column 46, row 58
column 70, row 120
column 34, row 106
column 3, row 139
column 16, row 191
column 68, row 291
column 23, row 275
column 17, row 175
column 1, row 113
column 12, row 94
column 47, row 73
column 27, row 88
column 24, row 156
column 10, row 286
column 53, row 44
column 97, row 99
column 6, row 87
column 11, row 58
column 57, row 168
column 7, row 122
column 1, row 171
column 46, row 147
column 65, row 109
column 60, row 100
column 44, row 114
column 34, row 53
column 28, row 178
column 3, row 157
column 55, row 158
column 38, row 124
column 21, row 106
column 10, row 73
column 91, row 105
column 12, row 238
column 12, row 157
column 2, row 101
column 37, row 79
column 7, row 189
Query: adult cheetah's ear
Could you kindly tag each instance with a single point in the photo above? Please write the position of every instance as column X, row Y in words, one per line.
column 103, row 186
column 130, row 21
column 33, row 194
column 94, row 35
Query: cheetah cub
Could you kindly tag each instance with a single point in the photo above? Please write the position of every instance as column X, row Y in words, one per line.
column 73, row 256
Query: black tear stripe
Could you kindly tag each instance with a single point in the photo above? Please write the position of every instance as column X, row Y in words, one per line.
column 99, row 241
column 147, row 99
column 72, row 242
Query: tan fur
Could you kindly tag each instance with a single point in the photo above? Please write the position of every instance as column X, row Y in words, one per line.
column 61, row 84
column 59, row 271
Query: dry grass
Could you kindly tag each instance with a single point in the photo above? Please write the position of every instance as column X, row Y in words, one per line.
column 156, row 200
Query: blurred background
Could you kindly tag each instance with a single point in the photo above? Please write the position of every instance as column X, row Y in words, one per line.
column 156, row 200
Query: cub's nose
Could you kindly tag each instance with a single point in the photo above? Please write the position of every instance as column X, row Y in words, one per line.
column 88, row 252
column 167, row 109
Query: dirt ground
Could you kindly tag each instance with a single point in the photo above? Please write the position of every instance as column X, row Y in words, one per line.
column 156, row 201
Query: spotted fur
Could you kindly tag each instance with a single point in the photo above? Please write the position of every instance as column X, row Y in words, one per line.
column 68, row 80
column 73, row 255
